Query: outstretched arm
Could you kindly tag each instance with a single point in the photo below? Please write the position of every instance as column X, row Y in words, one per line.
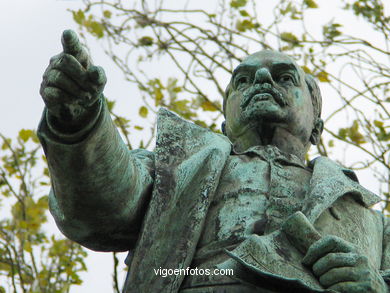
column 100, row 189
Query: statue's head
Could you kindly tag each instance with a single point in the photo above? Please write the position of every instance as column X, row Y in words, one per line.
column 270, row 96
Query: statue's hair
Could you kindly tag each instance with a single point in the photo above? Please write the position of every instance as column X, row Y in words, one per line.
column 314, row 90
column 315, row 93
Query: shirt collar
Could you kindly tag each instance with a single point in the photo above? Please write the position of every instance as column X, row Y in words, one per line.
column 272, row 153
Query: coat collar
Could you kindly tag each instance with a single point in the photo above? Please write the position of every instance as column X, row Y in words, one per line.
column 329, row 182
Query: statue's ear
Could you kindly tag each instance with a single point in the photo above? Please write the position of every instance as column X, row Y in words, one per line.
column 316, row 132
column 223, row 127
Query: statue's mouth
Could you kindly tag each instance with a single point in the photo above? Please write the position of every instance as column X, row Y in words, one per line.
column 262, row 92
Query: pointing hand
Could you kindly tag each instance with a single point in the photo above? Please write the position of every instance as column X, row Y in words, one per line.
column 71, row 85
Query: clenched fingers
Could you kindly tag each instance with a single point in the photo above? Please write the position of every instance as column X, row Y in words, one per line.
column 97, row 76
column 57, row 79
column 325, row 245
column 353, row 287
column 69, row 65
column 336, row 260
column 341, row 275
column 91, row 80
column 61, row 105
column 55, row 97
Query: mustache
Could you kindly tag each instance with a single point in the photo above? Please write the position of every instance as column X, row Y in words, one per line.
column 265, row 88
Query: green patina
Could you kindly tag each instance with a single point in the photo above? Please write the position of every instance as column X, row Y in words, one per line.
column 245, row 200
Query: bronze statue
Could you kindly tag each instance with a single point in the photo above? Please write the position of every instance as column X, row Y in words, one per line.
column 245, row 200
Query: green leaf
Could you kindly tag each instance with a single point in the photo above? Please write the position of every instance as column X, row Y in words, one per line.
column 378, row 123
column 244, row 13
column 78, row 16
column 96, row 29
column 343, row 133
column 323, row 76
column 27, row 247
column 181, row 105
column 5, row 267
column 138, row 127
column 145, row 41
column 172, row 88
column 286, row 10
column 306, row 69
column 289, row 38
column 110, row 105
column 238, row 3
column 25, row 134
column 244, row 25
column 6, row 144
column 373, row 11
column 158, row 96
column 311, row 3
column 352, row 133
column 357, row 137
column 331, row 31
column 34, row 137
column 208, row 106
column 201, row 123
column 10, row 169
column 107, row 13
column 143, row 112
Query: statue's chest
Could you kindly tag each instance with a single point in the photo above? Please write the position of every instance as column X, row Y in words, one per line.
column 253, row 196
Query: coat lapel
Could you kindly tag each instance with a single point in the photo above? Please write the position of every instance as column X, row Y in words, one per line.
column 329, row 182
column 189, row 161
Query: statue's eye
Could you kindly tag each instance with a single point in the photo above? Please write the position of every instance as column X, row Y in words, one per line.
column 241, row 80
column 286, row 78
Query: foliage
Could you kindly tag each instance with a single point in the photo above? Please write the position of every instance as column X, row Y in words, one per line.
column 30, row 259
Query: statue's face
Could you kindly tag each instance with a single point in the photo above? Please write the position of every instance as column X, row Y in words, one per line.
column 268, row 92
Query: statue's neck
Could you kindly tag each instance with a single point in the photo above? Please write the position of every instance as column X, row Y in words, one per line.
column 277, row 136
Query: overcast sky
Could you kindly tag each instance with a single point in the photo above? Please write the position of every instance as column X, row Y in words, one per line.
column 30, row 34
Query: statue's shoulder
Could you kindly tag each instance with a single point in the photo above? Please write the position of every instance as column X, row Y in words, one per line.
column 172, row 128
column 328, row 173
column 326, row 165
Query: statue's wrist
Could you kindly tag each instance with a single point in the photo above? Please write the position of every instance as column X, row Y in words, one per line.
column 71, row 130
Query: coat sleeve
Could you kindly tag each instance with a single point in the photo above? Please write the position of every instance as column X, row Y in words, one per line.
column 100, row 189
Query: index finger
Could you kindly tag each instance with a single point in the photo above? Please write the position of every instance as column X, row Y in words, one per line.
column 71, row 45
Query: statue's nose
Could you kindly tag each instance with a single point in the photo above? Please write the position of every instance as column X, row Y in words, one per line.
column 263, row 76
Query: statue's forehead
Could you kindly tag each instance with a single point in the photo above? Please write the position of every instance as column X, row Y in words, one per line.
column 267, row 58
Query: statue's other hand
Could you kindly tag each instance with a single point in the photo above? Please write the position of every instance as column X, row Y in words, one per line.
column 71, row 85
column 340, row 266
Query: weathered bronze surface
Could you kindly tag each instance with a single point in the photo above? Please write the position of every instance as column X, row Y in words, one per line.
column 245, row 200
